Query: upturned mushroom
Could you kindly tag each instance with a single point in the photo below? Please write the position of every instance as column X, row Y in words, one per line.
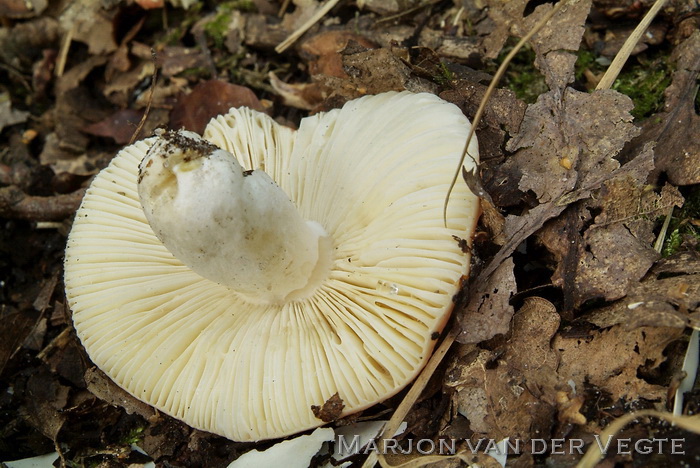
column 236, row 280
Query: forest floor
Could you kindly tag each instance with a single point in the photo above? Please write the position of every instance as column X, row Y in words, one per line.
column 581, row 301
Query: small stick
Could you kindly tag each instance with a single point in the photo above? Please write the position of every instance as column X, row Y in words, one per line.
column 306, row 26
column 283, row 8
column 14, row 203
column 624, row 53
column 407, row 403
column 63, row 52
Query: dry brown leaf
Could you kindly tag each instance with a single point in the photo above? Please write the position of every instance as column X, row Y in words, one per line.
column 207, row 100
column 17, row 9
column 103, row 388
column 90, row 24
column 73, row 77
column 174, row 59
column 504, row 114
column 120, row 89
column 491, row 316
column 675, row 130
column 612, row 358
column 60, row 160
column 564, row 31
column 24, row 42
column 605, row 255
column 372, row 72
column 562, row 140
column 658, row 300
column 307, row 96
column 512, row 396
column 323, row 51
column 121, row 125
column 17, row 325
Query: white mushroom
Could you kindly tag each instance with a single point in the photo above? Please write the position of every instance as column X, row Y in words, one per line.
column 255, row 300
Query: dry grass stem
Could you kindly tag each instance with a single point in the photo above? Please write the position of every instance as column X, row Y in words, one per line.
column 624, row 53
column 284, row 45
column 489, row 91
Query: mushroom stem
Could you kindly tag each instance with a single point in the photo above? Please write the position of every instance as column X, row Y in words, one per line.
column 232, row 226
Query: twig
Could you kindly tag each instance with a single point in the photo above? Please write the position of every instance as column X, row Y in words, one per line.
column 489, row 91
column 14, row 203
column 292, row 38
column 624, row 53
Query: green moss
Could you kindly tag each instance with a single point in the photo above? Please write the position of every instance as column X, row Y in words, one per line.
column 217, row 28
column 180, row 22
column 444, row 75
column 645, row 83
column 522, row 77
column 196, row 72
column 134, row 436
column 587, row 60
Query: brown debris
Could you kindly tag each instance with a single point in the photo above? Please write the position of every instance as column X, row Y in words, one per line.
column 121, row 125
column 17, row 9
column 511, row 395
column 658, row 300
column 331, row 410
column 17, row 327
column 324, row 49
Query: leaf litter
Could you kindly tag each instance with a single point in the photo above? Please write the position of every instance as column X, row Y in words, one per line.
column 574, row 194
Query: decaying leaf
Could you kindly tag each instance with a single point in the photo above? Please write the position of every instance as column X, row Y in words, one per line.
column 603, row 255
column 89, row 23
column 669, row 296
column 675, row 130
column 612, row 358
column 504, row 114
column 102, row 387
column 371, row 72
column 22, row 43
column 121, row 125
column 493, row 313
column 324, row 49
column 511, row 393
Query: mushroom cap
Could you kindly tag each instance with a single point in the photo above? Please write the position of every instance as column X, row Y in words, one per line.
column 374, row 174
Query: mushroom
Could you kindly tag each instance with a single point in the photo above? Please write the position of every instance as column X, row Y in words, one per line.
column 235, row 281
